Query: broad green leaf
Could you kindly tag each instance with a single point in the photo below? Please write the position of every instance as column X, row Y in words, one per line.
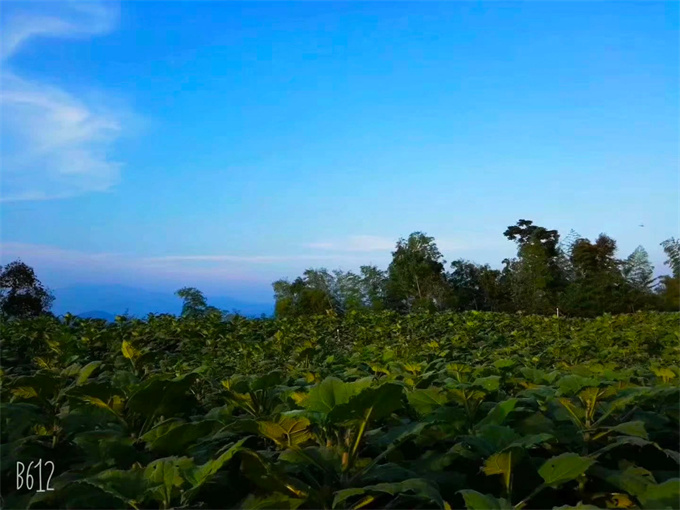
column 299, row 397
column 371, row 403
column 572, row 384
column 98, row 403
column 499, row 413
column 398, row 434
column 665, row 373
column 632, row 428
column 266, row 381
column 162, row 397
column 527, row 442
column 633, row 480
column 87, row 371
column 174, row 438
column 626, row 441
column 108, row 446
column 417, row 486
column 270, row 476
column 477, row 501
column 128, row 486
column 25, row 392
column 286, row 432
column 576, row 413
column 17, row 418
column 534, row 375
column 490, row 383
column 197, row 475
column 564, row 468
column 388, row 472
column 344, row 494
column 323, row 458
column 499, row 463
column 45, row 384
column 161, row 429
column 427, row 400
column 504, row 363
column 663, row 495
column 497, row 436
column 672, row 454
column 129, row 351
column 164, row 477
column 274, row 502
column 332, row 392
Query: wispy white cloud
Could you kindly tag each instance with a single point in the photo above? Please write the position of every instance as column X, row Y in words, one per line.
column 236, row 266
column 54, row 145
column 359, row 243
column 66, row 19
column 250, row 259
column 366, row 243
column 78, row 265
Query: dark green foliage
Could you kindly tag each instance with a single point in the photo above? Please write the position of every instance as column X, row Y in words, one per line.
column 415, row 278
column 21, row 293
column 669, row 290
column 372, row 410
column 195, row 305
column 339, row 403
column 475, row 287
column 578, row 277
column 310, row 295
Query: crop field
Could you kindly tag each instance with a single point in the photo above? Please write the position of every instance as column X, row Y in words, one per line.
column 473, row 410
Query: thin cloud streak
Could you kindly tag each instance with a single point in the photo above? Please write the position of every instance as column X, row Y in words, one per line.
column 255, row 259
column 57, row 255
column 358, row 243
column 365, row 243
column 71, row 19
column 81, row 265
column 58, row 267
column 55, row 145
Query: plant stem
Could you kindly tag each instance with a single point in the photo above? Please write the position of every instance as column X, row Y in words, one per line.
column 523, row 503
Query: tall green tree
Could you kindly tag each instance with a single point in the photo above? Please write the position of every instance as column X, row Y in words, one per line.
column 671, row 248
column 638, row 273
column 416, row 278
column 599, row 285
column 323, row 288
column 475, row 287
column 638, row 270
column 319, row 291
column 194, row 303
column 348, row 291
column 312, row 294
column 669, row 288
column 373, row 287
column 21, row 293
column 581, row 277
column 534, row 277
column 286, row 296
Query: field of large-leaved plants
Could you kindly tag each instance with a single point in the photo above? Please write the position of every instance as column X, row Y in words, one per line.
column 475, row 410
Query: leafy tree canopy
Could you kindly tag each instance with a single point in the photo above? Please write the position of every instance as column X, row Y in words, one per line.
column 21, row 293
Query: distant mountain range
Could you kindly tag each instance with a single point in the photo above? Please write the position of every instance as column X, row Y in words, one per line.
column 107, row 301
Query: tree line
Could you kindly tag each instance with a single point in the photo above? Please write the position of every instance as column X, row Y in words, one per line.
column 575, row 276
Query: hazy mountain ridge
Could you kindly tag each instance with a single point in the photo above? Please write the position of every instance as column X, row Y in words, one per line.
column 91, row 300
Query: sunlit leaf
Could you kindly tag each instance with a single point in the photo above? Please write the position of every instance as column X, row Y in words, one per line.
column 564, row 468
column 477, row 501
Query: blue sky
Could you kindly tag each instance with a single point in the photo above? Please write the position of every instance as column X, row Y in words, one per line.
column 225, row 144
